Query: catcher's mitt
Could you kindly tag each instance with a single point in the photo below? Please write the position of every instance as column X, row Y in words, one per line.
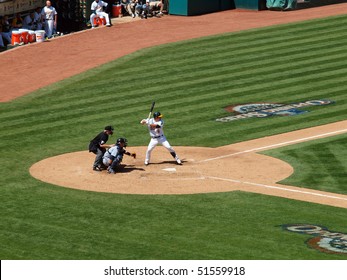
column 133, row 155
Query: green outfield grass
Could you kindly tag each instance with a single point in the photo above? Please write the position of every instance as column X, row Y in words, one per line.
column 191, row 82
column 320, row 164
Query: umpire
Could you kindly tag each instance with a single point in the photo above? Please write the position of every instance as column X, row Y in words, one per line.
column 98, row 146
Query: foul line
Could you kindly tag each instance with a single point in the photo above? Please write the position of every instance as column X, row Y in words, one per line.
column 278, row 188
column 277, row 145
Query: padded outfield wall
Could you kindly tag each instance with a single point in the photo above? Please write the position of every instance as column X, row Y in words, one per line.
column 199, row 7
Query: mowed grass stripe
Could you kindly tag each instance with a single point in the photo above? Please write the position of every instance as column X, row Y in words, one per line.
column 332, row 72
column 188, row 73
column 321, row 158
column 319, row 47
column 222, row 43
column 243, row 48
column 219, row 56
column 206, row 77
column 279, row 66
column 58, row 118
column 250, row 43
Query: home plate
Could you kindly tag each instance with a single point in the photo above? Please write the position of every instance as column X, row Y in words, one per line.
column 172, row 169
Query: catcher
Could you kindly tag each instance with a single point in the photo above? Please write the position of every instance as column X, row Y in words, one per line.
column 114, row 156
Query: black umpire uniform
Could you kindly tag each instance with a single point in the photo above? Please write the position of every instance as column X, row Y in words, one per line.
column 96, row 146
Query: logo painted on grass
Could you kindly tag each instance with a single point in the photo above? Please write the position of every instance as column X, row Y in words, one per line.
column 263, row 110
column 323, row 239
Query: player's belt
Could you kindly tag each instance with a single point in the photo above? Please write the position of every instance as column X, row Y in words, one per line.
column 155, row 137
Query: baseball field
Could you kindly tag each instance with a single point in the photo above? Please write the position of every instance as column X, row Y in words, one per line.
column 278, row 90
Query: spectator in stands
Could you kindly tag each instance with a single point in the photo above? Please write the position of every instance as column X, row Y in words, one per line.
column 50, row 17
column 142, row 8
column 97, row 10
column 166, row 6
column 5, row 29
column 29, row 21
column 132, row 6
column 38, row 18
column 17, row 21
column 126, row 8
column 155, row 5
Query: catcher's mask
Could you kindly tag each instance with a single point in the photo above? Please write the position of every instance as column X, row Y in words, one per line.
column 122, row 140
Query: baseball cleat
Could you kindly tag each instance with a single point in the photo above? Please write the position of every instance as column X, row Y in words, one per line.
column 97, row 168
column 111, row 171
column 179, row 162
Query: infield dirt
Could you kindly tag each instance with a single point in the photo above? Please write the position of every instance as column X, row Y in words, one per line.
column 228, row 168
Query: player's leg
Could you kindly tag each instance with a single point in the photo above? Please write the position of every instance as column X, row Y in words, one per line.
column 152, row 144
column 1, row 42
column 132, row 10
column 106, row 162
column 167, row 145
column 49, row 28
column 105, row 15
column 158, row 5
column 92, row 16
column 98, row 159
column 116, row 162
column 138, row 9
column 7, row 36
column 161, row 7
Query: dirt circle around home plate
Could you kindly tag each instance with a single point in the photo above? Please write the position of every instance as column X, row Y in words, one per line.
column 233, row 167
column 162, row 175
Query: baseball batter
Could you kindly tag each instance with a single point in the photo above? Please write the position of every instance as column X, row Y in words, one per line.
column 155, row 126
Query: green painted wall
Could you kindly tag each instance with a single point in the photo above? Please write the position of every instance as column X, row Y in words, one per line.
column 250, row 4
column 198, row 7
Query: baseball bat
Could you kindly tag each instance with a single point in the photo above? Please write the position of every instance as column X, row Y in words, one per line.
column 150, row 112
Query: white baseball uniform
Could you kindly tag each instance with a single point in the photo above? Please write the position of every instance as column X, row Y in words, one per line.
column 49, row 14
column 158, row 137
column 97, row 7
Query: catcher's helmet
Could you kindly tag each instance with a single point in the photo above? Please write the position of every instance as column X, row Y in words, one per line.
column 122, row 140
column 157, row 115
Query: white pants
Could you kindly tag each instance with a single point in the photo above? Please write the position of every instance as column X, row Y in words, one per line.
column 101, row 15
column 49, row 27
column 154, row 142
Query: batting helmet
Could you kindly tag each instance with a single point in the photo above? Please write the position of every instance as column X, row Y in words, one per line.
column 122, row 140
column 157, row 115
